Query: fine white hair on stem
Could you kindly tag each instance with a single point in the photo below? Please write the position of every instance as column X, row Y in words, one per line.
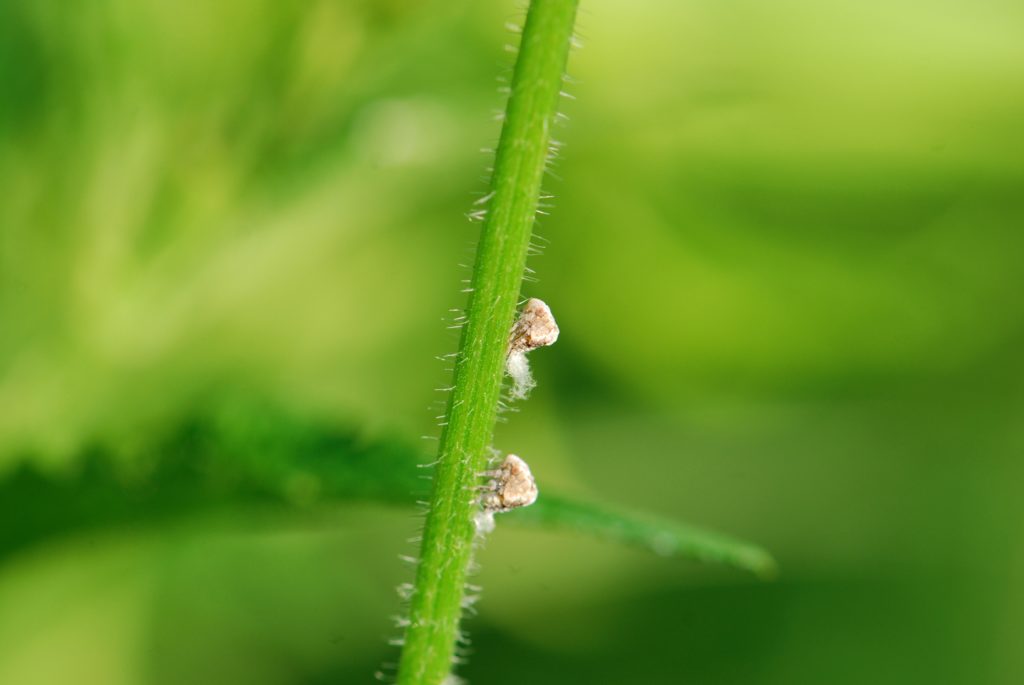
column 534, row 328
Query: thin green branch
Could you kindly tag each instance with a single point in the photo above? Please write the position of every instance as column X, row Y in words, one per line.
column 436, row 602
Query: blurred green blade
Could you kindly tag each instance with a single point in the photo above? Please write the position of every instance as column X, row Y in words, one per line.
column 245, row 457
column 260, row 456
column 661, row 536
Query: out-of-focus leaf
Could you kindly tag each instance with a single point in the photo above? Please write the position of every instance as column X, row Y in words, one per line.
column 664, row 537
column 231, row 459
column 260, row 457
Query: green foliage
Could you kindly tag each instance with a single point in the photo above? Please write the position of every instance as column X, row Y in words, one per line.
column 257, row 456
column 810, row 210
column 242, row 457
column 649, row 532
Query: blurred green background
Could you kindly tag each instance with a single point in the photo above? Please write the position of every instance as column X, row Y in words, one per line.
column 785, row 254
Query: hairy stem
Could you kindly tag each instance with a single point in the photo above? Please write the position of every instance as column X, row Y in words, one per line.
column 436, row 602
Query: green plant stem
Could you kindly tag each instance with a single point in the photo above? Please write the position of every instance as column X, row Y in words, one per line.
column 447, row 547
